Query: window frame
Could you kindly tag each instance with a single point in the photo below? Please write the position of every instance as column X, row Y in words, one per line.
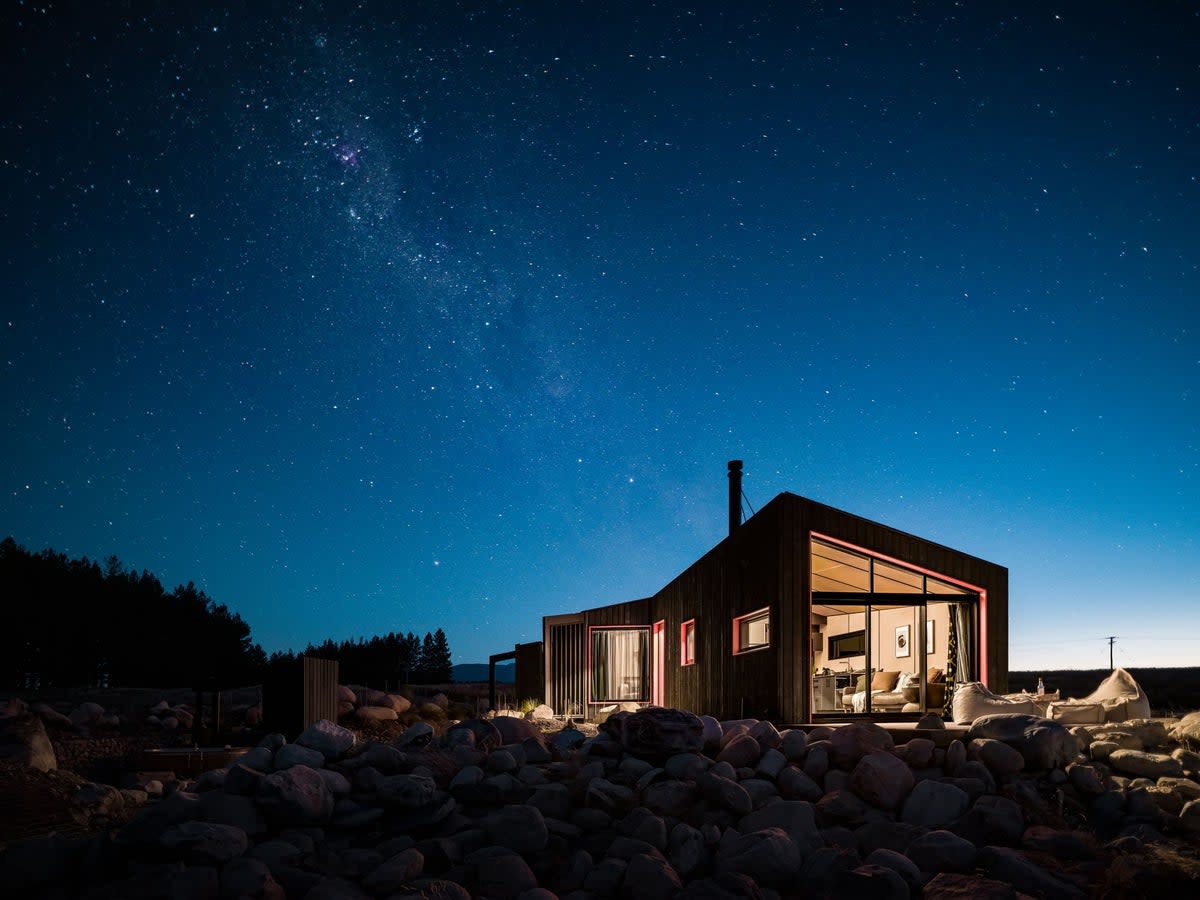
column 832, row 639
column 684, row 659
column 646, row 666
column 738, row 649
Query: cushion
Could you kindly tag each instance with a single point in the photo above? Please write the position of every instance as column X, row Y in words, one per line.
column 936, row 676
column 884, row 681
column 1076, row 712
column 908, row 680
column 860, row 684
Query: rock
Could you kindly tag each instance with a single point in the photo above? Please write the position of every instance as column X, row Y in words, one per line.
column 689, row 766
column 243, row 877
column 850, row 743
column 1101, row 750
column 1062, row 845
column 518, row 827
column 931, row 722
column 86, row 713
column 741, row 750
column 1187, row 730
column 712, row 733
column 686, row 849
column 388, row 877
column 205, row 842
column 657, row 733
column 1042, row 743
column 651, row 877
column 478, row 733
column 567, row 740
column 231, row 809
column 397, row 702
column 1189, row 817
column 726, row 793
column 898, row 863
column 1001, row 759
column 934, row 803
column 1144, row 764
column 1087, row 779
column 1011, row 866
column 919, row 753
column 670, row 798
column 770, row 764
column 409, row 792
column 295, row 796
column 874, row 881
column 296, row 755
column 23, row 739
column 606, row 877
column 794, row 744
column 418, row 734
column 766, row 734
column 793, row 784
column 794, row 817
column 375, row 714
column 767, row 855
column 950, row 886
column 992, row 820
column 241, row 779
column 327, row 738
column 816, row 761
column 882, row 780
column 541, row 711
column 942, row 851
column 956, row 756
column 1150, row 733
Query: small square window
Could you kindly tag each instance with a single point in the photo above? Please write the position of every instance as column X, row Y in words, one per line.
column 687, row 643
column 752, row 631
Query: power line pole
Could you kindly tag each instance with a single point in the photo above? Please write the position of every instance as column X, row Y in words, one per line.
column 1110, row 639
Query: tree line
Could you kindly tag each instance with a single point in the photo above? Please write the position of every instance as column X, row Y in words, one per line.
column 74, row 623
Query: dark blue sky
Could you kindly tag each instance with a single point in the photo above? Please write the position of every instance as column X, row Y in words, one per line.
column 450, row 314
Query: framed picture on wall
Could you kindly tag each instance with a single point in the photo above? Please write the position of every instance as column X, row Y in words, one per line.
column 903, row 639
column 929, row 636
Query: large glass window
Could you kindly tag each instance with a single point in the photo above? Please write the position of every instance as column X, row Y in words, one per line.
column 886, row 637
column 620, row 664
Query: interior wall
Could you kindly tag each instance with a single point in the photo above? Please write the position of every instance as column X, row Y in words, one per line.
column 883, row 644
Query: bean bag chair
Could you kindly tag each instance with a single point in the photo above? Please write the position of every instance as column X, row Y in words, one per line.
column 973, row 700
column 1121, row 697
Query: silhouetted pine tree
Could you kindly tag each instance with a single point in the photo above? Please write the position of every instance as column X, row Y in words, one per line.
column 436, row 653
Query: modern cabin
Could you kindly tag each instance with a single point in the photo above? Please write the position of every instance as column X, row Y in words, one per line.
column 803, row 613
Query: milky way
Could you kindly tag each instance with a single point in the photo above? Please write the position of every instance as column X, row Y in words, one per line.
column 451, row 314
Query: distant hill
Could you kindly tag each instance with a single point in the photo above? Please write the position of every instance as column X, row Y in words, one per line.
column 479, row 672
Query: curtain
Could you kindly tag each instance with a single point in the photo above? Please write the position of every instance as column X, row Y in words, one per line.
column 960, row 667
column 620, row 669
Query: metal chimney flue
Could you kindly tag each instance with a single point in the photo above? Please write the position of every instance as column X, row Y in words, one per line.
column 735, row 494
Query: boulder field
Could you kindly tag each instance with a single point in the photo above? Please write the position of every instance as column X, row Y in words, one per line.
column 659, row 804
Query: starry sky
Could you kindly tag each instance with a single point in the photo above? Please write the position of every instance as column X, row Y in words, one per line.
column 390, row 316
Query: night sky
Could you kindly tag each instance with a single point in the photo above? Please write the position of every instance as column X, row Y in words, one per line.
column 372, row 317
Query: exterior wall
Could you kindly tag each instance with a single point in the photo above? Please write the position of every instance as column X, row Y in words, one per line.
column 738, row 576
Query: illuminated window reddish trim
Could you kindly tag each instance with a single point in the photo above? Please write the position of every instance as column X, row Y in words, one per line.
column 982, row 592
column 687, row 658
column 738, row 647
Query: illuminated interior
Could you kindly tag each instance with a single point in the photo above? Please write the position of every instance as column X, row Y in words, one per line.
column 875, row 650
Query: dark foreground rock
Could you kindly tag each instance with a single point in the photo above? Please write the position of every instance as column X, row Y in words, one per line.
column 662, row 804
